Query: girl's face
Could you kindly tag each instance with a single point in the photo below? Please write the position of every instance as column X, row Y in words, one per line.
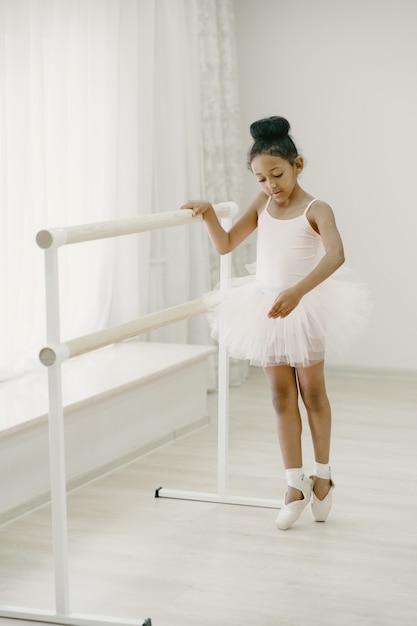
column 276, row 176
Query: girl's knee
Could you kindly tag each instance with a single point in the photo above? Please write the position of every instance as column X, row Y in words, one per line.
column 283, row 386
column 313, row 388
column 314, row 398
column 314, row 394
column 283, row 401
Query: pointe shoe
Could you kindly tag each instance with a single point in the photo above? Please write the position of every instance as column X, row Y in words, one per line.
column 320, row 509
column 291, row 512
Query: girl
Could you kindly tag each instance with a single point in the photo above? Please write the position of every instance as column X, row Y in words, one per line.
column 283, row 317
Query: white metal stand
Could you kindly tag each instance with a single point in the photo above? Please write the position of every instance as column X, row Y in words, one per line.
column 222, row 496
column 50, row 241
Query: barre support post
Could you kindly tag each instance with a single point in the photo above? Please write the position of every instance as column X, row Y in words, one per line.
column 223, row 382
column 56, row 438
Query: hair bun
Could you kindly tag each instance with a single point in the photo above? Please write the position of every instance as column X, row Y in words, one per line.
column 270, row 128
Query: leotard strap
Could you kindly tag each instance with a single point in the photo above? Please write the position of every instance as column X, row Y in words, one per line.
column 305, row 211
column 309, row 205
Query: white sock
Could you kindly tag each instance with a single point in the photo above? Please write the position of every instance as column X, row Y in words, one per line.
column 321, row 470
column 294, row 477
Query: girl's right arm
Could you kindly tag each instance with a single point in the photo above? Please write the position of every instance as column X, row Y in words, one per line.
column 222, row 240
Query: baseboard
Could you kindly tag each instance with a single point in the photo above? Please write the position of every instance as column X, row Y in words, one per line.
column 90, row 476
column 372, row 372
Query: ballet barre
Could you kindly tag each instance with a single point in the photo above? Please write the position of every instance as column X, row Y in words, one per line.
column 56, row 352
column 114, row 334
column 55, row 237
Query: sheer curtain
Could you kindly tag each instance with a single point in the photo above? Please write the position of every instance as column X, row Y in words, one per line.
column 221, row 143
column 179, row 262
column 70, row 131
column 100, row 118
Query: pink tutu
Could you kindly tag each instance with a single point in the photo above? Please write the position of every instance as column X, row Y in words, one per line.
column 326, row 320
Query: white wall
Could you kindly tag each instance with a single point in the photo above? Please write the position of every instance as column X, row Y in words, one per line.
column 344, row 72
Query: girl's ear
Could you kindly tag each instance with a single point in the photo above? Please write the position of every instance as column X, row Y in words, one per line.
column 299, row 164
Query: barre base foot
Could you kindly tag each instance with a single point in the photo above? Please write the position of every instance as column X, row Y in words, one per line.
column 201, row 496
column 68, row 619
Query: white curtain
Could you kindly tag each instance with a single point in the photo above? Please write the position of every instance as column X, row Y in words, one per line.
column 100, row 118
column 179, row 262
column 221, row 141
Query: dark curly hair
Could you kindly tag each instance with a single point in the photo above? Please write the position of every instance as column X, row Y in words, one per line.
column 271, row 136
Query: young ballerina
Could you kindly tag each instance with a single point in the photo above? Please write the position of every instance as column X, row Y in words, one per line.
column 283, row 317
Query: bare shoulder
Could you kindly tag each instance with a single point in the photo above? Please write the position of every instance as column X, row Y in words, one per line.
column 248, row 222
column 319, row 206
column 259, row 203
column 256, row 206
column 321, row 217
column 320, row 212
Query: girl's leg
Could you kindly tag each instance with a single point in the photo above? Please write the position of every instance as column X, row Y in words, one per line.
column 284, row 390
column 313, row 392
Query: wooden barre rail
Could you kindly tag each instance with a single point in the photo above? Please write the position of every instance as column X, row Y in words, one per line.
column 51, row 239
column 55, row 237
column 80, row 345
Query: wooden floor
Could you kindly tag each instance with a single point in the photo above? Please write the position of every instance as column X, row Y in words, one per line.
column 185, row 563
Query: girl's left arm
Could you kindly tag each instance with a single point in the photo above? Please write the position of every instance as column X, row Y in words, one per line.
column 322, row 219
